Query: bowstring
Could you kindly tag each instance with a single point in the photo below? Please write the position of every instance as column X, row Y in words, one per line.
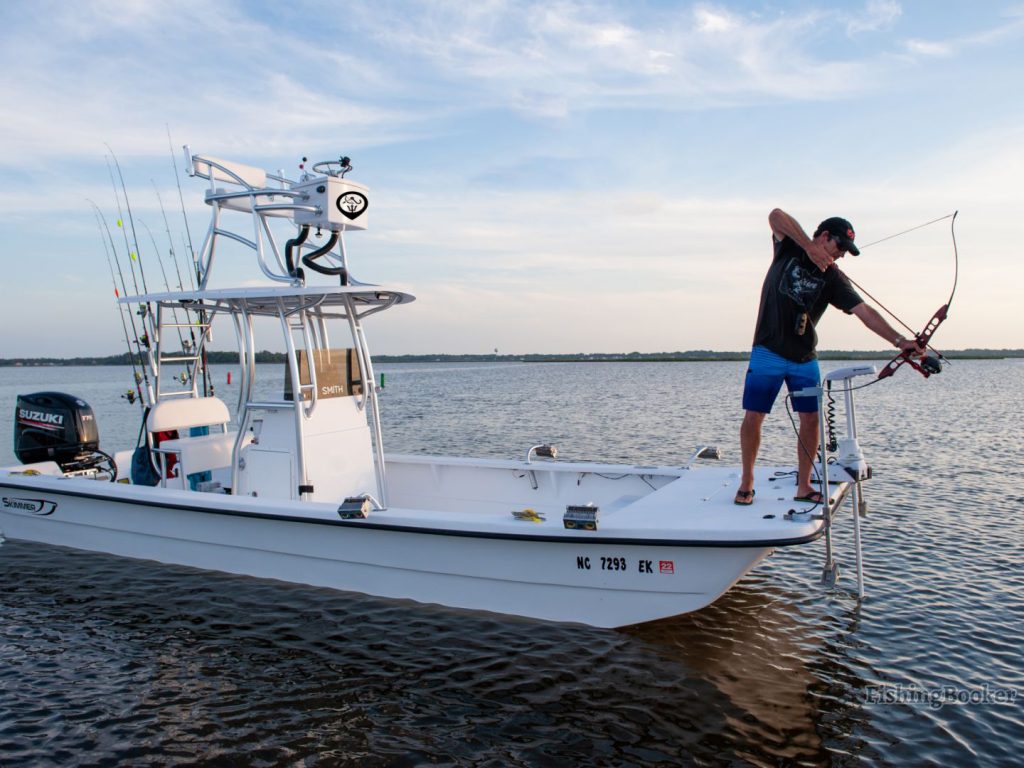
column 956, row 270
column 907, row 231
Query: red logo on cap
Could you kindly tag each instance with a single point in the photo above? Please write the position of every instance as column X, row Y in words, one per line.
column 849, row 234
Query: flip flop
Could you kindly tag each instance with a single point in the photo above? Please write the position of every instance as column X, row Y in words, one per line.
column 814, row 497
column 744, row 498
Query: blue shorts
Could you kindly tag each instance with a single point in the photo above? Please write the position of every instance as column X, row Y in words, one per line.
column 765, row 375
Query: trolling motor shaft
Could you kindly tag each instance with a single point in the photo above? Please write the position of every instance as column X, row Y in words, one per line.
column 850, row 458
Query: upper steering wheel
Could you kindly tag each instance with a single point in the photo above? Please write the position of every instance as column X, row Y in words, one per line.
column 342, row 164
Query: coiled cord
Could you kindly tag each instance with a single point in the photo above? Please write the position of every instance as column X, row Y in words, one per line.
column 830, row 420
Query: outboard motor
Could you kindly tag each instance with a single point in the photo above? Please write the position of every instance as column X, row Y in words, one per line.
column 53, row 426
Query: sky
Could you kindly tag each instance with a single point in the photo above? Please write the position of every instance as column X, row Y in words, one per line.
column 547, row 177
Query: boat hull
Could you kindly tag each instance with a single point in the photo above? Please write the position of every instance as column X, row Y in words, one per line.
column 603, row 583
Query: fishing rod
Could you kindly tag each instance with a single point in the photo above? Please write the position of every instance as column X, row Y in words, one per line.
column 170, row 239
column 181, row 199
column 132, row 257
column 124, row 325
column 191, row 272
column 131, row 219
column 167, row 285
column 145, row 312
column 203, row 321
column 122, row 309
column 181, row 287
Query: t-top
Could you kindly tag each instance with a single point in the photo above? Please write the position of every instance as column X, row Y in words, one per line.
column 792, row 287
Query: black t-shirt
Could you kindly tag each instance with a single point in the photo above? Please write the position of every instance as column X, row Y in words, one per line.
column 794, row 285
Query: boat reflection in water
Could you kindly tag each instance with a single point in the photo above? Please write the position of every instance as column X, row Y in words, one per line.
column 762, row 672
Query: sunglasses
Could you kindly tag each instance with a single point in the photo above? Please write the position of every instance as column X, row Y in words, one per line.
column 838, row 242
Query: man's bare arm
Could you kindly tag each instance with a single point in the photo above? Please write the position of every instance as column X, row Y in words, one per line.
column 784, row 225
column 875, row 322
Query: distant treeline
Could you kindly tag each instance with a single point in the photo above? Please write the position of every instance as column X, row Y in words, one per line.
column 123, row 359
column 699, row 355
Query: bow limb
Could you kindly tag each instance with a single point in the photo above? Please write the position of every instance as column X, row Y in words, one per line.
column 906, row 356
column 924, row 337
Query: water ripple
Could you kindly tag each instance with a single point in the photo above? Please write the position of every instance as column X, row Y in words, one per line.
column 108, row 661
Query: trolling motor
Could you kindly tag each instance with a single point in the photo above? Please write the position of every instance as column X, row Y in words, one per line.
column 53, row 426
column 849, row 458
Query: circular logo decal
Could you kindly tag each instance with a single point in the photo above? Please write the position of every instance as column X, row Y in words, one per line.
column 352, row 204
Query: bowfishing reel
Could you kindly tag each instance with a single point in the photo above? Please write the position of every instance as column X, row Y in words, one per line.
column 931, row 363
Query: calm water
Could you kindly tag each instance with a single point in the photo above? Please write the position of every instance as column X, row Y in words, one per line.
column 106, row 661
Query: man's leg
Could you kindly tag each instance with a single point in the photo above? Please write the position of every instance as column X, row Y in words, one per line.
column 750, row 443
column 807, row 450
column 765, row 374
column 799, row 377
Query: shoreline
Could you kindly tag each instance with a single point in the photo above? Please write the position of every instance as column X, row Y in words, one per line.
column 697, row 356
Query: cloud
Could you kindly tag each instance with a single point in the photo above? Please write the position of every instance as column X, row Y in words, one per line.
column 523, row 154
column 551, row 60
column 1009, row 30
column 120, row 72
column 382, row 74
column 247, row 77
column 877, row 15
column 714, row 21
column 929, row 49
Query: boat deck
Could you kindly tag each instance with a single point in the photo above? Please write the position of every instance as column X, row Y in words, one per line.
column 692, row 506
column 673, row 506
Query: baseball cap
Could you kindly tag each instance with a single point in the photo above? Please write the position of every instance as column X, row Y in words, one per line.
column 843, row 230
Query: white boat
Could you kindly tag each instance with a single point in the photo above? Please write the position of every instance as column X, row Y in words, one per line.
column 303, row 491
